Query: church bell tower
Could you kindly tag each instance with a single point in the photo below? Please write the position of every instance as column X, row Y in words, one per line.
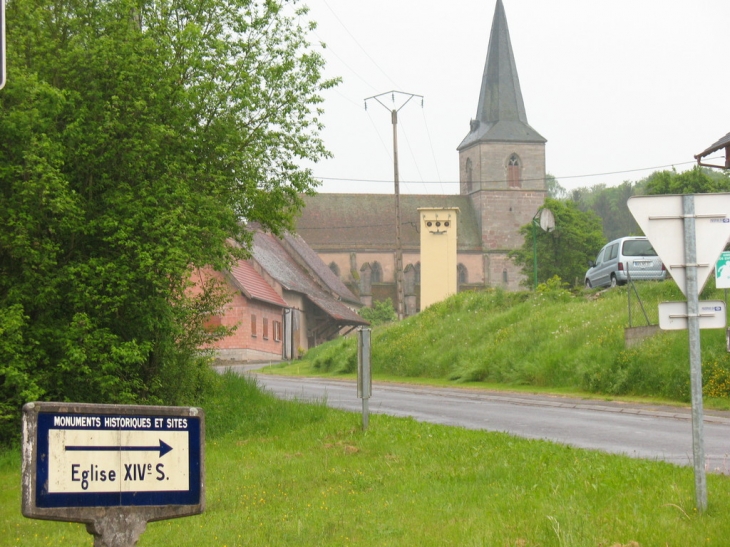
column 502, row 160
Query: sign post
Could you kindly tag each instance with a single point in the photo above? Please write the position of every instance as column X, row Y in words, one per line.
column 701, row 223
column 695, row 357
column 113, row 467
column 364, row 376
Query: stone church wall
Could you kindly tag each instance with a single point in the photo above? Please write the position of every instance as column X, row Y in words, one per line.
column 502, row 213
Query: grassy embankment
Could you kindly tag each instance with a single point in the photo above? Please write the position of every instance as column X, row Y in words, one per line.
column 283, row 473
column 551, row 341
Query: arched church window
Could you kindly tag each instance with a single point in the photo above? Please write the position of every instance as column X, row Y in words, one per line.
column 335, row 269
column 505, row 277
column 376, row 275
column 462, row 274
column 514, row 171
column 418, row 273
column 469, row 175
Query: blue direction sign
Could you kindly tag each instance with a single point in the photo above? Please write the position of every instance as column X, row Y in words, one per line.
column 103, row 460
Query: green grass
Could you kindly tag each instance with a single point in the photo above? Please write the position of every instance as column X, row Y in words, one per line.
column 283, row 473
column 551, row 339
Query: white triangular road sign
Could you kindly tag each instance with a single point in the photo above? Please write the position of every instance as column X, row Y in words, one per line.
column 662, row 220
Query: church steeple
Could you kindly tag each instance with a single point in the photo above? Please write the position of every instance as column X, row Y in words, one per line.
column 501, row 111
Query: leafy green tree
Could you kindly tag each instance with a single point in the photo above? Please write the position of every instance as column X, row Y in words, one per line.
column 565, row 251
column 135, row 137
column 554, row 188
column 381, row 312
column 694, row 181
column 609, row 203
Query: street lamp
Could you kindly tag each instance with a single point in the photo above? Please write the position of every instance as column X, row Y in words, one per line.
column 547, row 223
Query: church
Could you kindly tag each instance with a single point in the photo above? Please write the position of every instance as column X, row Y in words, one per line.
column 501, row 185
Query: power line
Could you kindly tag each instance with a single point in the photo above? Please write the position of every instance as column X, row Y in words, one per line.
column 558, row 178
column 358, row 45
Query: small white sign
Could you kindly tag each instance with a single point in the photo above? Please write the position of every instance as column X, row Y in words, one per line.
column 117, row 461
column 673, row 315
column 722, row 271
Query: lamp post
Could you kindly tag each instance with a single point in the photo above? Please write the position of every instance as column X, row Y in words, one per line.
column 545, row 218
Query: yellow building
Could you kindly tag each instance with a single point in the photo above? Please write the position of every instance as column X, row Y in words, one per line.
column 438, row 253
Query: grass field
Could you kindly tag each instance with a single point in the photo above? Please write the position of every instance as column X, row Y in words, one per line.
column 284, row 473
column 547, row 340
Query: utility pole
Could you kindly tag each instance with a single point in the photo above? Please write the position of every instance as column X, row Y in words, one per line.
column 400, row 299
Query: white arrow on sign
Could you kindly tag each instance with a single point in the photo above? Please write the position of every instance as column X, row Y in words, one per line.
column 662, row 220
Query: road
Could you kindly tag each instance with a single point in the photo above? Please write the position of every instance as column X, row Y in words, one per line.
column 643, row 431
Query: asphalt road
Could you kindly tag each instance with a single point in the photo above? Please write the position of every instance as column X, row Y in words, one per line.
column 643, row 431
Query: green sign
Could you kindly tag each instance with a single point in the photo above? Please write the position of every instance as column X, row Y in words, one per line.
column 722, row 271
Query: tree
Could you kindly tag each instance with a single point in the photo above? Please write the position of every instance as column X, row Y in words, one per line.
column 134, row 139
column 609, row 203
column 694, row 181
column 554, row 188
column 565, row 251
column 382, row 312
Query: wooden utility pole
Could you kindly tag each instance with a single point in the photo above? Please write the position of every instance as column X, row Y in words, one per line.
column 400, row 298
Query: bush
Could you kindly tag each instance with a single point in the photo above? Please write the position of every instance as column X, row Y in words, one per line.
column 382, row 312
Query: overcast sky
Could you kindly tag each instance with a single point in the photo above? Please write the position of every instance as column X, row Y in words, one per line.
column 620, row 86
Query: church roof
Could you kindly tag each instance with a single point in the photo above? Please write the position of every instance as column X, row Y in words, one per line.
column 501, row 111
column 337, row 222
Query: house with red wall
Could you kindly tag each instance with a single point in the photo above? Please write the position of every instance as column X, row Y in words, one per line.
column 285, row 300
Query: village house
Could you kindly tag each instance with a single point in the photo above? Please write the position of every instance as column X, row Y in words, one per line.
column 285, row 300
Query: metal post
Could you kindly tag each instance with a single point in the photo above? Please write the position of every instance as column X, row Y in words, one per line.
column 727, row 330
column 695, row 356
column 534, row 253
column 364, row 376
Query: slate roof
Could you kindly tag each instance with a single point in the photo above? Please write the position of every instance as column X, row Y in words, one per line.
column 274, row 258
column 250, row 283
column 501, row 112
column 315, row 265
column 336, row 222
column 722, row 143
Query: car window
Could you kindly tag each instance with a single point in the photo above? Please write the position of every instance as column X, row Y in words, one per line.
column 638, row 247
column 612, row 252
column 599, row 260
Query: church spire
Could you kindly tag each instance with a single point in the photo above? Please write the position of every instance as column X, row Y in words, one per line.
column 501, row 111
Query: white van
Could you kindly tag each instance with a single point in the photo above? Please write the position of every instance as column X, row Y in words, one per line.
column 624, row 258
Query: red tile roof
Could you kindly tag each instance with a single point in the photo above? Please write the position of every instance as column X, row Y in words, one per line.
column 254, row 286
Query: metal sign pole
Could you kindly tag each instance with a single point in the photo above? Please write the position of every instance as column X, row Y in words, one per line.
column 364, row 377
column 695, row 357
